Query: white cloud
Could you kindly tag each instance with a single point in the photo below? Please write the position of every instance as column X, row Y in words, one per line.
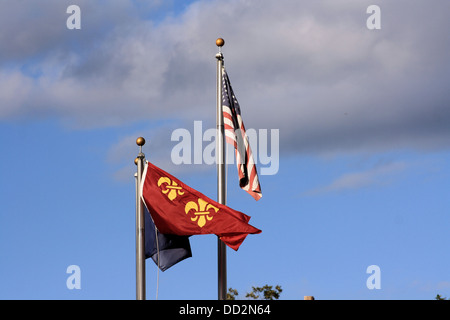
column 311, row 69
column 382, row 174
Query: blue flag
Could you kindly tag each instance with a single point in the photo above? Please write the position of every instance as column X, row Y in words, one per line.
column 172, row 248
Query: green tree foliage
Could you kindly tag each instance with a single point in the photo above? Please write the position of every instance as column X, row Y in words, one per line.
column 267, row 292
column 232, row 294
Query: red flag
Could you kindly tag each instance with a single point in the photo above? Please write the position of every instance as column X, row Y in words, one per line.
column 178, row 209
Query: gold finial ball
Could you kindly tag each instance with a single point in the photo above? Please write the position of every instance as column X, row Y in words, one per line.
column 140, row 141
column 220, row 42
column 136, row 161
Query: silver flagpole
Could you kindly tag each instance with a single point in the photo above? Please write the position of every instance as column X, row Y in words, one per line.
column 140, row 226
column 221, row 177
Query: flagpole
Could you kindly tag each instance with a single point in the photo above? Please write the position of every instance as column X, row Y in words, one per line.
column 221, row 177
column 140, row 226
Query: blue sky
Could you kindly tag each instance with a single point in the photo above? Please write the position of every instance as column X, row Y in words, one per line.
column 364, row 144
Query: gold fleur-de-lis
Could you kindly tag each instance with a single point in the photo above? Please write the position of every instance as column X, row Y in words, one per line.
column 201, row 211
column 170, row 188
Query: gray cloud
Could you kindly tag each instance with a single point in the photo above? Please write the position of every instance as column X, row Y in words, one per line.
column 311, row 69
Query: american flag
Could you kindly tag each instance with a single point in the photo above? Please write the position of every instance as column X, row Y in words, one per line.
column 235, row 135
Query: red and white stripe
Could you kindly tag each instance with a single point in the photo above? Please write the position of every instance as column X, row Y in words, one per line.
column 244, row 167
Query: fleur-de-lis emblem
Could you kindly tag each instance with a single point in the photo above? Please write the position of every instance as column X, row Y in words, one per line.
column 170, row 188
column 201, row 211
